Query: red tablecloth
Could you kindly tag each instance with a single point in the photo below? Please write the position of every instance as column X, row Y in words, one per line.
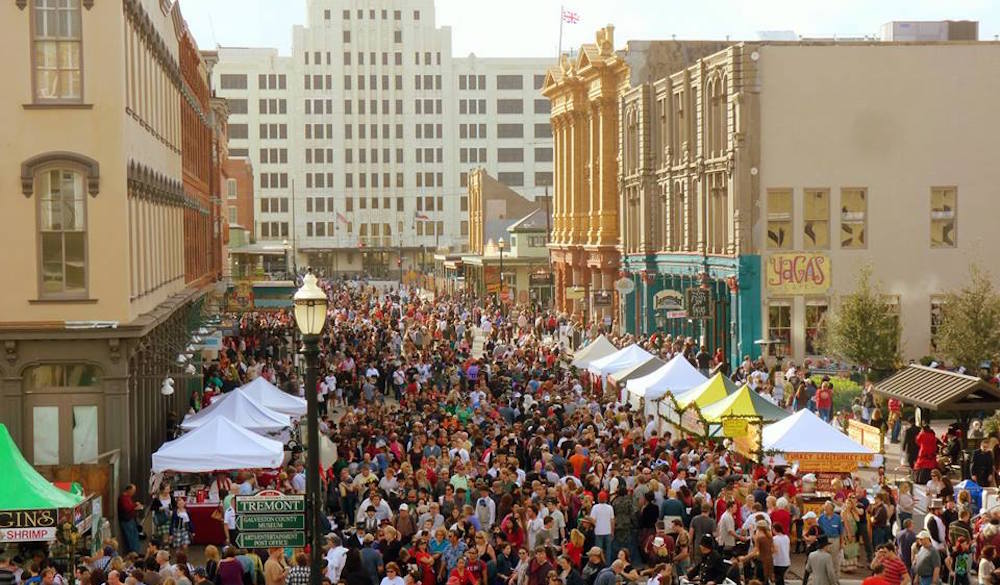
column 206, row 530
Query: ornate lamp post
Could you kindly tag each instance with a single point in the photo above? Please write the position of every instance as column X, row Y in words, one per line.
column 310, row 318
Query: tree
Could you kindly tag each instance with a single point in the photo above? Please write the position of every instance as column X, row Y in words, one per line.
column 864, row 329
column 969, row 333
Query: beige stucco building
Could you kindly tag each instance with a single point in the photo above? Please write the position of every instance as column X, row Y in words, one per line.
column 100, row 295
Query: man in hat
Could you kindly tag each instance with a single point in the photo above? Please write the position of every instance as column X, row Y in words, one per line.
column 927, row 565
column 336, row 556
column 934, row 525
column 820, row 564
column 604, row 523
column 710, row 567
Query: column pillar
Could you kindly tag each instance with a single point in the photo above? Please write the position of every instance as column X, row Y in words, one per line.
column 558, row 204
column 593, row 190
column 608, row 196
column 578, row 280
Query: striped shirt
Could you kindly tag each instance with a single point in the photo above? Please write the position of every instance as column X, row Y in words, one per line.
column 894, row 571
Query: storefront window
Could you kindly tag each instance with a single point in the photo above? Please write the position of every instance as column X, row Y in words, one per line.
column 84, row 434
column 779, row 327
column 61, row 375
column 45, row 436
column 815, row 323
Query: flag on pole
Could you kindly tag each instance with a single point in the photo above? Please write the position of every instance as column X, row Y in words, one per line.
column 341, row 218
column 570, row 16
column 420, row 216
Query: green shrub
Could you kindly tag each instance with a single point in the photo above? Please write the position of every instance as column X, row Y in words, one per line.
column 845, row 391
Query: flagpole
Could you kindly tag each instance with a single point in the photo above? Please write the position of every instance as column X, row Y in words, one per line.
column 559, row 55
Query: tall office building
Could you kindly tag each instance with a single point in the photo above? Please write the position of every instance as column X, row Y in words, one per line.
column 364, row 137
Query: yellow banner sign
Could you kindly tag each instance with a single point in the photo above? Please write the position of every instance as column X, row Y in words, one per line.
column 867, row 435
column 842, row 462
column 748, row 443
column 734, row 427
column 797, row 273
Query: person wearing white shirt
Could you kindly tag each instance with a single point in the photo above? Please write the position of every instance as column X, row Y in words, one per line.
column 726, row 536
column 782, row 552
column 336, row 556
column 650, row 427
column 604, row 523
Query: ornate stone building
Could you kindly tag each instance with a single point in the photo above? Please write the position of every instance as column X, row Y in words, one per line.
column 584, row 244
column 685, row 179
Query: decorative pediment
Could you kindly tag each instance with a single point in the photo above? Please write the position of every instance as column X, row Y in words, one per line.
column 30, row 166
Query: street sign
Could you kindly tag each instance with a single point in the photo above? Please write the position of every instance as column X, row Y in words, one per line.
column 575, row 293
column 261, row 540
column 270, row 504
column 699, row 303
column 677, row 314
column 603, row 298
column 270, row 522
column 624, row 286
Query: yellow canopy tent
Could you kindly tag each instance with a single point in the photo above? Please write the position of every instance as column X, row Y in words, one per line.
column 709, row 392
column 744, row 403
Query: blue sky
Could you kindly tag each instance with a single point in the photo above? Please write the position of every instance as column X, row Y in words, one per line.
column 530, row 28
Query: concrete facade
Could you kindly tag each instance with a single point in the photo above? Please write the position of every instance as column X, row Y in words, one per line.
column 387, row 124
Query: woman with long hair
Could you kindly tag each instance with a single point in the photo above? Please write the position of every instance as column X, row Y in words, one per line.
column 573, row 548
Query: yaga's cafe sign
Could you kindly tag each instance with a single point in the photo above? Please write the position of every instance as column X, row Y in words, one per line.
column 797, row 273
column 27, row 525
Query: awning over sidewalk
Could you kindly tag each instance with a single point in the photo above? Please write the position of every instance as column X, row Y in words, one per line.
column 936, row 389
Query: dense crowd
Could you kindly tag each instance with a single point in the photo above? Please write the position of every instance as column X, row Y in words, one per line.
column 510, row 468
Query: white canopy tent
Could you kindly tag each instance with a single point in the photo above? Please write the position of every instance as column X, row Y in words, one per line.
column 270, row 396
column 218, row 445
column 241, row 410
column 804, row 432
column 677, row 376
column 623, row 358
column 622, row 376
column 593, row 351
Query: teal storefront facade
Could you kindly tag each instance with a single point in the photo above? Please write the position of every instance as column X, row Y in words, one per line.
column 661, row 282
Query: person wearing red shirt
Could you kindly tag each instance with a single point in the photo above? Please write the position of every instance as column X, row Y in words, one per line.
column 877, row 577
column 895, row 418
column 780, row 515
column 894, row 571
column 926, row 454
column 824, row 401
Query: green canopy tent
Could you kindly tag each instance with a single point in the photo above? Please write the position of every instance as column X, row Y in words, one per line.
column 23, row 488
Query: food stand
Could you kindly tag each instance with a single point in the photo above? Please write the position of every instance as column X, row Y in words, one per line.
column 218, row 445
column 808, row 442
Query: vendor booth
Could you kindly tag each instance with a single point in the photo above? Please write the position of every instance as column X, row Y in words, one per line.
column 622, row 376
column 270, row 396
column 243, row 411
column 632, row 355
column 819, row 451
column 218, row 445
column 745, row 403
column 593, row 351
column 708, row 392
column 30, row 505
column 676, row 377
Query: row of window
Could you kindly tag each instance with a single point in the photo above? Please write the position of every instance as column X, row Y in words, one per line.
column 427, row 82
column 273, row 131
column 270, row 106
column 363, row 180
column 396, row 14
column 373, row 109
column 430, row 155
column 273, row 230
column 274, row 205
column 473, row 155
column 472, row 130
column 273, row 180
column 373, row 82
column 274, row 155
column 319, row 155
column 363, row 158
column 426, row 228
column 817, row 226
column 319, row 180
column 427, row 106
column 318, row 82
column 327, row 204
column 478, row 82
column 319, row 107
column 264, row 81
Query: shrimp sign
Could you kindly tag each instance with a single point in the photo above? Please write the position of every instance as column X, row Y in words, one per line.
column 798, row 273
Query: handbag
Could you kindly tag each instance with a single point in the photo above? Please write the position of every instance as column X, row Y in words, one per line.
column 217, row 515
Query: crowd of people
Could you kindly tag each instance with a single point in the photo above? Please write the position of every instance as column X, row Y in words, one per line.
column 509, row 468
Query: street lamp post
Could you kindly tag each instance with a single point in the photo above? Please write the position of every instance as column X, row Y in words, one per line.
column 500, row 247
column 310, row 317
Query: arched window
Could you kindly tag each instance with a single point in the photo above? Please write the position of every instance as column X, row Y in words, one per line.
column 60, row 182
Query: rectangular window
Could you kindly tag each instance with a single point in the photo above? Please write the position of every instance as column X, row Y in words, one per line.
column 509, row 155
column 543, row 178
column 543, row 107
column 816, row 219
column 511, row 179
column 85, row 428
column 45, row 435
column 397, row 36
column 238, row 131
column 233, row 81
column 539, row 81
column 779, row 219
column 779, row 326
column 543, row 155
column 463, row 204
column 543, row 131
column 510, row 82
column 815, row 323
column 347, row 36
column 937, row 307
column 510, row 130
column 944, row 217
column 853, row 218
column 62, row 227
column 510, row 106
column 237, row 106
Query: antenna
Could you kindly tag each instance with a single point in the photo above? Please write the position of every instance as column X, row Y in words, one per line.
column 211, row 27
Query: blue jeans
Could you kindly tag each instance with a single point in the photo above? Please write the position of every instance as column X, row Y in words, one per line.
column 925, row 580
column 604, row 541
column 896, row 427
column 130, row 534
